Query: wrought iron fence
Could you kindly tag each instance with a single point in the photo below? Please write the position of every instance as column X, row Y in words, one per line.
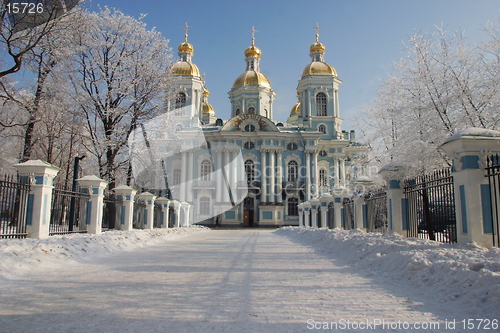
column 430, row 209
column 376, row 202
column 61, row 211
column 111, row 211
column 493, row 174
column 13, row 204
column 348, row 217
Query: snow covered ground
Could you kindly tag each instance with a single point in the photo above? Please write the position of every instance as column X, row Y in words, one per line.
column 251, row 280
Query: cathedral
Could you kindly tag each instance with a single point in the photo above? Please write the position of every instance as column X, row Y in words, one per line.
column 251, row 169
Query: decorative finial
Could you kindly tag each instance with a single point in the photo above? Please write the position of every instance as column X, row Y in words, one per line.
column 317, row 27
column 253, row 31
column 187, row 27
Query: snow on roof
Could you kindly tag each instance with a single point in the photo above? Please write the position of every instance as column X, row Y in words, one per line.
column 474, row 132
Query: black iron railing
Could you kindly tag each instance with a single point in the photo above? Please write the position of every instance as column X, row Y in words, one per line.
column 376, row 202
column 430, row 207
column 493, row 174
column 60, row 213
column 13, row 205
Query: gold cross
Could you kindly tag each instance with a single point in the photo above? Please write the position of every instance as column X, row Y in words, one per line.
column 253, row 31
column 186, row 35
column 317, row 27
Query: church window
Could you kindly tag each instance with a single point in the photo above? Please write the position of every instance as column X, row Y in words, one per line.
column 292, row 146
column 249, row 128
column 249, row 171
column 323, row 153
column 323, row 178
column 180, row 100
column 293, row 206
column 238, row 111
column 204, row 206
column 321, row 104
column 206, row 170
column 251, row 110
column 177, row 176
column 322, row 129
column 249, row 145
column 292, row 171
column 178, row 128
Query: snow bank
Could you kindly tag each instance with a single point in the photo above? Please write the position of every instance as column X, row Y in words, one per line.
column 463, row 273
column 19, row 256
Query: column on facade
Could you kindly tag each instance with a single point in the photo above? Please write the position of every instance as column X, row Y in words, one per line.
column 182, row 185
column 314, row 156
column 342, row 174
column 220, row 180
column 189, row 182
column 236, row 167
column 301, row 215
column 314, row 210
column 226, row 178
column 272, row 168
column 336, row 164
column 263, row 176
column 336, row 110
column 308, row 175
column 279, row 176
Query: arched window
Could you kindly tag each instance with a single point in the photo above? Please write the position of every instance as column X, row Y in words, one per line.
column 292, row 171
column 206, row 170
column 323, row 153
column 249, row 171
column 177, row 176
column 238, row 111
column 323, row 178
column 292, row 146
column 293, row 209
column 322, row 129
column 249, row 145
column 251, row 110
column 204, row 206
column 249, row 128
column 321, row 104
column 180, row 100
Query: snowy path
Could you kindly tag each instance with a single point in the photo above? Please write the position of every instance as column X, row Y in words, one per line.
column 218, row 281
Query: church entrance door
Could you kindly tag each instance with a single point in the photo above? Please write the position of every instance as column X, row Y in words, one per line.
column 248, row 218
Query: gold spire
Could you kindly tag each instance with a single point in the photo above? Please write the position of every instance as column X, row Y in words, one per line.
column 317, row 47
column 253, row 51
column 317, row 27
column 186, row 47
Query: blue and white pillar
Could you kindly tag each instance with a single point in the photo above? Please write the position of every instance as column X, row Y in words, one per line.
column 94, row 186
column 148, row 215
column 126, row 194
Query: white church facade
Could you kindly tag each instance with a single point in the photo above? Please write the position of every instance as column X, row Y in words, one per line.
column 251, row 169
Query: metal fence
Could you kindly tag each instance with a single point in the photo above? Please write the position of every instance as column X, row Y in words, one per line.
column 431, row 207
column 348, row 216
column 111, row 211
column 62, row 199
column 13, row 204
column 376, row 203
column 493, row 174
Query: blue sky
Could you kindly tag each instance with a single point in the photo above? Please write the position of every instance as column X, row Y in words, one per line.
column 362, row 38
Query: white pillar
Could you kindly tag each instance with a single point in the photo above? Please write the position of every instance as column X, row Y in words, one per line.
column 301, row 215
column 185, row 214
column 314, row 156
column 314, row 209
column 148, row 217
column 325, row 199
column 220, row 179
column 189, row 182
column 94, row 186
column 337, row 172
column 165, row 210
column 263, row 197
column 183, row 176
column 177, row 208
column 395, row 195
column 339, row 193
column 40, row 175
column 279, row 176
column 359, row 202
column 272, row 194
column 227, row 178
column 308, row 175
column 342, row 164
column 126, row 194
column 307, row 217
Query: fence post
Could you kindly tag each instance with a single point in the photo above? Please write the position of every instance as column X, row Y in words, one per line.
column 339, row 193
column 468, row 149
column 148, row 217
column 40, row 175
column 360, row 213
column 165, row 209
column 325, row 199
column 301, row 215
column 307, row 215
column 393, row 174
column 126, row 194
column 94, row 186
column 314, row 209
column 177, row 208
column 185, row 213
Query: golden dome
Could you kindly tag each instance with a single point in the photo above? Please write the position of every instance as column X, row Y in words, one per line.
column 207, row 108
column 186, row 47
column 185, row 68
column 295, row 109
column 252, row 51
column 317, row 47
column 319, row 68
column 252, row 78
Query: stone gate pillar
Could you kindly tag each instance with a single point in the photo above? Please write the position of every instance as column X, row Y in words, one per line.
column 165, row 209
column 148, row 218
column 94, row 186
column 396, row 203
column 126, row 194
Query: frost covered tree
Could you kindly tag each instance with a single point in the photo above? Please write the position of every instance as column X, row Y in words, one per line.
column 441, row 85
column 119, row 78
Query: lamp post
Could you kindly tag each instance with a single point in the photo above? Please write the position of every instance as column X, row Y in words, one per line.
column 73, row 189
